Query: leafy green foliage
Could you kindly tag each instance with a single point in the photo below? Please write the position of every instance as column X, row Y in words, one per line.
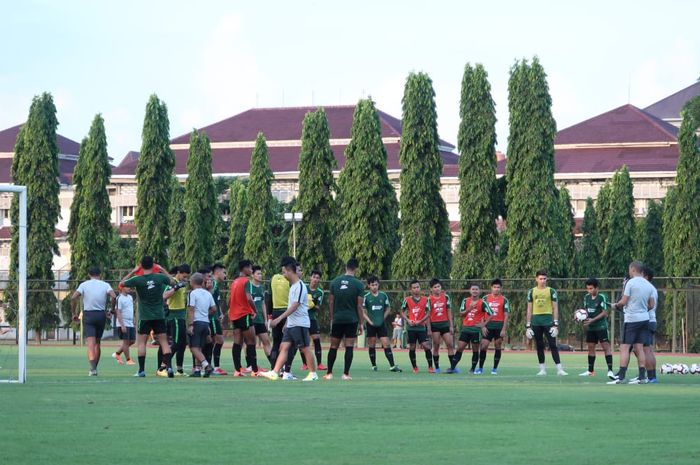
column 424, row 226
column 368, row 212
column 565, row 235
column 154, row 180
column 258, row 240
column 176, row 223
column 238, row 223
column 475, row 254
column 651, row 250
column 618, row 251
column 589, row 256
column 603, row 209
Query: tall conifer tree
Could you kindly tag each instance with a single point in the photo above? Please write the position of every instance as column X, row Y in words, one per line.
column 651, row 251
column 258, row 241
column 565, row 234
column 238, row 223
column 619, row 246
column 176, row 223
column 589, row 256
column 201, row 207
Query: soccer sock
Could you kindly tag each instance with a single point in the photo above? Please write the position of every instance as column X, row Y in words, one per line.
column 236, row 354
column 482, row 359
column 290, row 359
column 205, row 364
column 436, row 361
column 317, row 350
column 348, row 359
column 271, row 360
column 449, row 358
column 609, row 361
column 496, row 358
column 217, row 354
column 208, row 351
column 412, row 357
column 167, row 359
column 93, row 364
column 429, row 357
column 642, row 373
column 621, row 374
column 475, row 359
column 160, row 357
column 142, row 362
column 303, row 357
column 372, row 356
column 591, row 363
column 389, row 356
column 332, row 354
column 455, row 360
column 652, row 374
column 180, row 357
column 251, row 357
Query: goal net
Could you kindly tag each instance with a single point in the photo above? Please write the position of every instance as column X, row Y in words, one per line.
column 13, row 311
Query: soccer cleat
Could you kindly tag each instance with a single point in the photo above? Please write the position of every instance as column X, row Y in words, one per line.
column 322, row 367
column 616, row 381
column 395, row 369
column 374, row 367
column 653, row 381
column 415, row 370
column 92, row 373
column 449, row 371
column 611, row 375
column 247, row 369
column 431, row 370
column 542, row 372
column 494, row 371
column 478, row 371
column 346, row 377
column 328, row 376
column 208, row 371
column 118, row 358
column 304, row 367
column 130, row 362
column 588, row 373
column 312, row 376
column 636, row 378
column 181, row 374
column 456, row 371
column 219, row 371
column 638, row 381
column 154, row 342
column 437, row 371
column 170, row 372
column 271, row 375
column 288, row 376
column 140, row 374
column 238, row 374
column 162, row 373
column 561, row 372
column 197, row 374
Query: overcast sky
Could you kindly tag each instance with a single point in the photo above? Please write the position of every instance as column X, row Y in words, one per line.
column 210, row 60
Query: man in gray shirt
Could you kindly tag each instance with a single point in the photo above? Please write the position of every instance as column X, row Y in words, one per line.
column 637, row 300
column 94, row 292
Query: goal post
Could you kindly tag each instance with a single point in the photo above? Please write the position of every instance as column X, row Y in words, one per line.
column 21, row 376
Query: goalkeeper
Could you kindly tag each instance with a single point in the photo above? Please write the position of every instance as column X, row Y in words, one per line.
column 543, row 321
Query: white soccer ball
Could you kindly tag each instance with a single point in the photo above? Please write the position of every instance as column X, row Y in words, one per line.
column 677, row 368
column 684, row 369
column 581, row 314
column 666, row 369
column 694, row 369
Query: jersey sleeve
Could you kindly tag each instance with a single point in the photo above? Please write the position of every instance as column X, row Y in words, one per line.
column 364, row 301
column 295, row 294
column 485, row 307
column 212, row 302
column 463, row 305
column 529, row 296
column 449, row 301
column 321, row 294
column 553, row 294
column 603, row 302
column 404, row 305
column 386, row 301
column 506, row 305
column 81, row 288
column 628, row 289
column 131, row 282
column 249, row 288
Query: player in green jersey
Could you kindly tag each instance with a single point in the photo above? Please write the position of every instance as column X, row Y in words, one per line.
column 596, row 325
column 376, row 305
column 316, row 296
column 257, row 290
column 176, row 319
column 218, row 280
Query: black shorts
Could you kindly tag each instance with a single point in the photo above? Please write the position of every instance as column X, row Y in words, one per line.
column 420, row 336
column 242, row 323
column 341, row 330
column 376, row 331
column 315, row 328
column 94, row 323
column 493, row 334
column 594, row 336
column 260, row 328
column 129, row 333
column 298, row 336
column 157, row 326
column 470, row 336
column 200, row 333
column 215, row 325
column 652, row 334
column 440, row 327
column 636, row 333
column 177, row 331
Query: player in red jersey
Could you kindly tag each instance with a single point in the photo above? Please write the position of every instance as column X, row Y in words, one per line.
column 476, row 314
column 241, row 314
column 416, row 313
column 495, row 329
column 441, row 321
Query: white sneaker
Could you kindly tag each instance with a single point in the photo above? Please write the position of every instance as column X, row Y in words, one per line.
column 635, row 379
column 561, row 372
column 311, row 377
column 638, row 381
column 611, row 375
column 587, row 373
column 542, row 372
column 346, row 378
column 615, row 381
column 92, row 373
column 271, row 375
column 289, row 377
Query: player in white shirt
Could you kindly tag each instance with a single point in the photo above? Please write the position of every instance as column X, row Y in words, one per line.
column 123, row 308
column 200, row 307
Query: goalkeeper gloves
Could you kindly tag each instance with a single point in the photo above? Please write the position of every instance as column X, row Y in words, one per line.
column 180, row 285
column 529, row 333
column 554, row 330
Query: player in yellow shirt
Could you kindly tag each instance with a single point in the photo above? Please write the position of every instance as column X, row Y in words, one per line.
column 543, row 321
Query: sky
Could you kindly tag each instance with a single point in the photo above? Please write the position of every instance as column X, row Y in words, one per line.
column 214, row 59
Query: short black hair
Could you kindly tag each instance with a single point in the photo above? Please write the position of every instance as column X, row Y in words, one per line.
column 291, row 266
column 316, row 272
column 184, row 268
column 287, row 259
column 593, row 282
column 474, row 284
column 217, row 266
column 146, row 262
column 435, row 281
column 414, row 281
column 648, row 272
column 244, row 264
column 497, row 282
column 204, row 270
column 174, row 270
column 541, row 273
column 257, row 268
column 94, row 271
column 352, row 264
column 372, row 279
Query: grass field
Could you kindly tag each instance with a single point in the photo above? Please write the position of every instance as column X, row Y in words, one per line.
column 64, row 417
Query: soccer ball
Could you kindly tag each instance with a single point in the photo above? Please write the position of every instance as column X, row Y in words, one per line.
column 677, row 368
column 684, row 369
column 581, row 314
column 694, row 369
column 666, row 369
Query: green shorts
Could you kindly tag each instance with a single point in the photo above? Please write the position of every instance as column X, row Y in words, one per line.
column 470, row 336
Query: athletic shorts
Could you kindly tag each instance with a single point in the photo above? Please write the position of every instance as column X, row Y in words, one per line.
column 652, row 333
column 260, row 328
column 200, row 332
column 242, row 323
column 636, row 333
column 315, row 328
column 215, row 325
column 594, row 336
column 177, row 331
column 157, row 326
column 298, row 336
column 420, row 336
column 440, row 327
column 376, row 331
column 470, row 336
column 94, row 323
column 341, row 330
column 493, row 334
column 129, row 333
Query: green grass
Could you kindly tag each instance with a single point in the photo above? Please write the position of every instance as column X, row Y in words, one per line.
column 63, row 417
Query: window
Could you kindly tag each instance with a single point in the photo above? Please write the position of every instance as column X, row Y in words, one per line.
column 4, row 213
column 127, row 213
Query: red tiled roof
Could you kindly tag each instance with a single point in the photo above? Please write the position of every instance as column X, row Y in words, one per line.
column 6, row 233
column 65, row 170
column 127, row 229
column 671, row 106
column 130, row 157
column 8, row 137
column 623, row 124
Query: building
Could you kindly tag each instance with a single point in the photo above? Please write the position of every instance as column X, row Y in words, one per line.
column 669, row 108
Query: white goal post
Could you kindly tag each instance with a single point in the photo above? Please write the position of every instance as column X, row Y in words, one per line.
column 21, row 191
